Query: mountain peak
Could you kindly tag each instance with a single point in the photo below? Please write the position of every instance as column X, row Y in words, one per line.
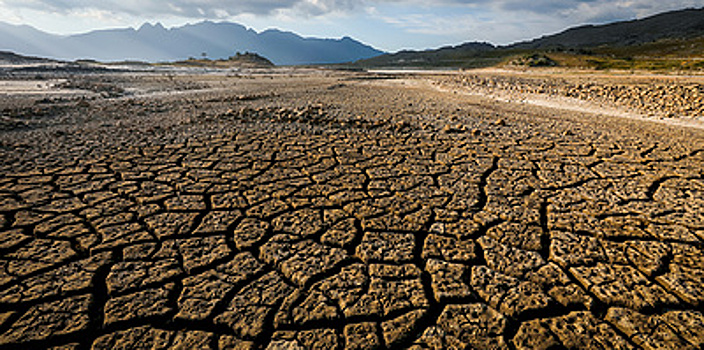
column 213, row 40
column 152, row 27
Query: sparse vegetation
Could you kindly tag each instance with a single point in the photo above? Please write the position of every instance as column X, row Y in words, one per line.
column 243, row 60
column 534, row 60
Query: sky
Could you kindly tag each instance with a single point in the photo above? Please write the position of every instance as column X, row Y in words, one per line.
column 389, row 25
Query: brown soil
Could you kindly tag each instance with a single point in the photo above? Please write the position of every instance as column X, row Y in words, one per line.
column 292, row 209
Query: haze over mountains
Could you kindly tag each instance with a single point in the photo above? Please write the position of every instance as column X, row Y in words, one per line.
column 154, row 43
column 676, row 33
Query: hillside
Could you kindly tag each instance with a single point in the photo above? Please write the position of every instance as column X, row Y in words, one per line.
column 10, row 58
column 672, row 40
column 155, row 43
column 684, row 24
column 478, row 53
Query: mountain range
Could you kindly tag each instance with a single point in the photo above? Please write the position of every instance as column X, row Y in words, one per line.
column 155, row 43
column 674, row 34
column 663, row 41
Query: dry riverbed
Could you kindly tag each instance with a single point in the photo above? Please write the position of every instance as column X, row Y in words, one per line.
column 302, row 209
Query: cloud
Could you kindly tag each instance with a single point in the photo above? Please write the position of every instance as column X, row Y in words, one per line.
column 390, row 24
column 507, row 21
column 585, row 10
column 186, row 8
column 582, row 10
column 482, row 26
column 598, row 11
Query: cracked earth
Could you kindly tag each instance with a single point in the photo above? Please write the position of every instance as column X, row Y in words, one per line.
column 343, row 211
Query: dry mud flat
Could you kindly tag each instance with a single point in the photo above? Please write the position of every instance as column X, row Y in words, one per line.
column 328, row 210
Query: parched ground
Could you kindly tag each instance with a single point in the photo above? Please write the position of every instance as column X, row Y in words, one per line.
column 320, row 210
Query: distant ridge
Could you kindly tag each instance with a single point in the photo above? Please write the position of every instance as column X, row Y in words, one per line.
column 155, row 43
column 683, row 24
column 445, row 56
column 7, row 57
column 666, row 32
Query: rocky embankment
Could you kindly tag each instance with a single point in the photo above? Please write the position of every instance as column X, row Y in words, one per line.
column 666, row 98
